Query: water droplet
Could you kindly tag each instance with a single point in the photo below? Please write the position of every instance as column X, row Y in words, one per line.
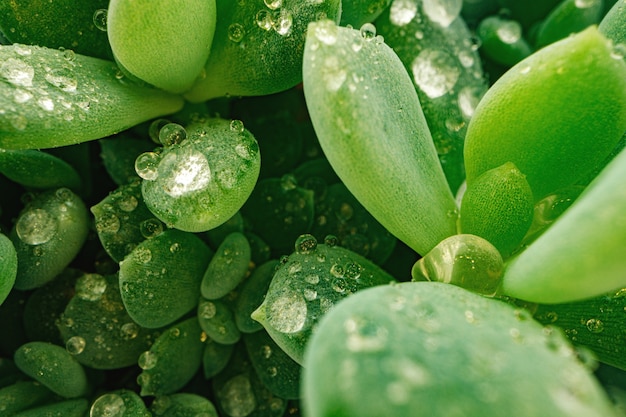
column 62, row 79
column 207, row 310
column 305, row 244
column 17, row 72
column 402, row 12
column 128, row 203
column 142, row 255
column 353, row 270
column 75, row 345
column 337, row 270
column 150, row 228
column 309, row 294
column 272, row 371
column 107, row 223
column 264, row 19
column 100, row 19
column 435, row 72
column 146, row 165
column 469, row 97
column 155, row 128
column 331, row 240
column 326, row 32
column 287, row 314
column 619, row 51
column 273, row 4
column 237, row 397
column 365, row 336
column 108, row 405
column 288, row 182
column 45, row 103
column 334, row 73
column 509, row 31
column 171, row 134
column 524, row 69
column 90, row 287
column 147, row 360
column 585, row 4
column 175, row 247
column 237, row 126
column 36, row 227
column 283, row 23
column 184, row 171
column 69, row 55
column 312, row 279
column 443, row 12
column 21, row 96
column 236, row 32
column 368, row 31
column 129, row 331
column 595, row 325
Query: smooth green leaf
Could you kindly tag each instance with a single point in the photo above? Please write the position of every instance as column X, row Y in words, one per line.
column 370, row 124
column 54, row 367
column 23, row 395
column 432, row 349
column 569, row 17
column 251, row 295
column 121, row 403
column 8, row 266
column 215, row 357
column 257, row 49
column 358, row 12
column 37, row 169
column 182, row 404
column 163, row 42
column 502, row 40
column 49, row 98
column 217, row 320
column 516, row 120
column 68, row 408
column 228, row 267
column 581, row 255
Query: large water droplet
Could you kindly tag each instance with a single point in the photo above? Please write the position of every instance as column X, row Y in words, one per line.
column 287, row 314
column 17, row 72
column 435, row 72
column 147, row 360
column 184, row 172
column 75, row 345
column 305, row 244
column 171, row 134
column 36, row 227
column 100, row 19
column 108, row 405
column 402, row 12
column 146, row 165
column 442, row 12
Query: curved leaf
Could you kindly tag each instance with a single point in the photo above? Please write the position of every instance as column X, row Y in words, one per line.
column 613, row 25
column 37, row 169
column 8, row 266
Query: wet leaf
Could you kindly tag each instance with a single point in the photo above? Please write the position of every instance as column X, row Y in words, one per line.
column 227, row 268
column 432, row 349
column 182, row 405
column 612, row 25
column 8, row 266
column 358, row 12
column 23, row 395
column 217, row 320
column 502, row 40
column 570, row 16
column 251, row 295
column 36, row 169
column 68, row 408
column 121, row 403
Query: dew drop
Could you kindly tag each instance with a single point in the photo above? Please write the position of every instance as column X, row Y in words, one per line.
column 146, row 165
column 288, row 182
column 207, row 310
column 128, row 203
column 100, row 19
column 595, row 325
column 273, row 4
column 172, row 134
column 312, row 279
column 283, row 23
column 443, row 12
column 619, row 51
column 175, row 247
column 142, row 255
column 435, row 72
column 326, row 32
column 353, row 270
column 108, row 405
column 585, row 4
column 45, row 103
column 62, row 79
column 17, row 72
column 264, row 19
column 402, row 12
column 236, row 32
column 90, row 287
column 309, row 294
column 368, row 31
column 150, row 228
column 155, row 128
column 75, row 345
column 468, row 99
column 36, row 227
column 184, row 172
column 108, row 223
column 331, row 240
column 237, row 397
column 305, row 244
column 147, row 360
column 509, row 31
column 287, row 314
column 337, row 271
column 21, row 96
column 237, row 126
column 334, row 73
column 129, row 331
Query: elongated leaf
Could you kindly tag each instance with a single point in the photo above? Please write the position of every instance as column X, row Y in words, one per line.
column 8, row 266
column 613, row 25
column 568, row 17
column 369, row 122
column 37, row 169
column 50, row 98
column 432, row 349
column 581, row 255
column 516, row 121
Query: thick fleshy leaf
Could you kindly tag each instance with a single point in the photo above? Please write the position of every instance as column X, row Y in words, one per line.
column 359, row 12
column 54, row 367
column 227, row 268
column 613, row 25
column 163, row 42
column 67, row 408
column 119, row 403
column 502, row 40
column 516, row 122
column 182, row 404
column 568, row 17
column 432, row 349
column 257, row 49
column 23, row 395
column 581, row 255
column 370, row 124
column 37, row 169
column 8, row 266
column 52, row 98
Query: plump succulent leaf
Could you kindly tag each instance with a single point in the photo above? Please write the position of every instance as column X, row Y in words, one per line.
column 570, row 16
column 432, row 349
column 8, row 266
column 48, row 235
column 217, row 320
column 51, row 98
column 173, row 360
column 515, row 122
column 215, row 357
column 307, row 285
column 358, row 12
column 612, row 25
column 258, row 47
column 370, row 124
column 119, row 154
column 251, row 295
column 23, row 395
column 36, row 169
column 68, row 408
column 201, row 182
column 56, row 24
column 498, row 206
column 165, row 42
column 228, row 267
column 156, row 291
column 502, row 41
column 122, row 401
column 54, row 367
column 581, row 254
column 182, row 404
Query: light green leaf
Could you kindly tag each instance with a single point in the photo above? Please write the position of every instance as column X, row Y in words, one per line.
column 369, row 122
column 49, row 98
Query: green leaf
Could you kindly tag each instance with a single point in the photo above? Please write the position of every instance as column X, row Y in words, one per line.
column 54, row 367
column 368, row 119
column 182, row 405
column 48, row 235
column 165, row 43
column 257, row 49
column 121, row 403
column 581, row 255
column 613, row 24
column 307, row 285
column 51, row 99
column 431, row 349
column 217, row 320
column 23, row 395
column 227, row 268
column 68, row 408
column 568, row 17
column 173, row 360
column 358, row 12
column 155, row 289
column 36, row 169
column 516, row 121
column 119, row 154
column 8, row 266
column 215, row 357
column 502, row 40
column 498, row 206
column 201, row 182
column 251, row 295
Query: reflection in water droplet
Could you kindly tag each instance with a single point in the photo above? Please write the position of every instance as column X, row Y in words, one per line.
column 443, row 12
column 108, row 405
column 90, row 287
column 402, row 12
column 17, row 72
column 236, row 32
column 305, row 244
column 171, row 134
column 283, row 23
column 184, row 171
column 75, row 345
column 146, row 165
column 36, row 227
column 368, row 31
column 264, row 19
column 237, row 398
column 435, row 72
column 100, row 19
column 147, row 360
column 287, row 313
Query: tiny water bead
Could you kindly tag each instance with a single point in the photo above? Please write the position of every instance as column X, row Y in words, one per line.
column 147, row 360
column 108, row 405
column 91, row 287
column 172, row 134
column 146, row 165
column 368, row 31
column 100, row 19
column 36, row 226
column 236, row 32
